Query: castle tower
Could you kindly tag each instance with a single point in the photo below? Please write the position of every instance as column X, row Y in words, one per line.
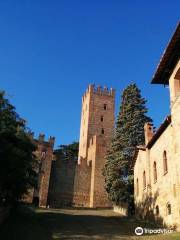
column 44, row 154
column 97, row 117
column 97, row 124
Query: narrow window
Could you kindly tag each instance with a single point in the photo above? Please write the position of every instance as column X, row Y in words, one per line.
column 165, row 166
column 102, row 119
column 43, row 154
column 157, row 210
column 144, row 180
column 155, row 172
column 105, row 106
column 168, row 208
column 137, row 187
column 102, row 131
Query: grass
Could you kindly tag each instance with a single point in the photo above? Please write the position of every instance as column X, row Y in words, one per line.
column 38, row 224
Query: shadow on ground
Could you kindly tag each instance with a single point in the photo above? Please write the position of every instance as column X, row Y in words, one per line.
column 38, row 224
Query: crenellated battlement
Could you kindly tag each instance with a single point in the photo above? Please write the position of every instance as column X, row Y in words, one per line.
column 92, row 89
column 41, row 138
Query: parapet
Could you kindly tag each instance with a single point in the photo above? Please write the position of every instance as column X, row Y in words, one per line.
column 92, row 89
column 50, row 141
column 30, row 135
column 41, row 137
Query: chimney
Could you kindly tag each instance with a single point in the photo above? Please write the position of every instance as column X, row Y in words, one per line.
column 148, row 132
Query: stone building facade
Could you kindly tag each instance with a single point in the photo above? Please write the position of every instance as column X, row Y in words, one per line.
column 97, row 124
column 45, row 157
column 157, row 164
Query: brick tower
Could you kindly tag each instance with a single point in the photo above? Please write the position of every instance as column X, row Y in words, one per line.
column 44, row 154
column 97, row 124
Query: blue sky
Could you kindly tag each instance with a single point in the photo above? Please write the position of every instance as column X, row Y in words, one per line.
column 51, row 50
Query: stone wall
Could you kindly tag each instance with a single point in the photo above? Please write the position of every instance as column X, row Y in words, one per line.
column 81, row 196
column 160, row 199
column 44, row 154
column 61, row 187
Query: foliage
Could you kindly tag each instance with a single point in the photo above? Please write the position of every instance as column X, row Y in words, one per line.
column 129, row 133
column 17, row 161
column 68, row 152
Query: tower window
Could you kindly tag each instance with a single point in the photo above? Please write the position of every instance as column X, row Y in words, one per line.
column 102, row 131
column 102, row 119
column 105, row 106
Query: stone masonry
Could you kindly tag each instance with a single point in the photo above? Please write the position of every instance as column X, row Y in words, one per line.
column 157, row 164
column 44, row 154
column 97, row 124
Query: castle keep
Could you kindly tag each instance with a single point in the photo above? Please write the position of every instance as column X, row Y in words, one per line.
column 97, row 124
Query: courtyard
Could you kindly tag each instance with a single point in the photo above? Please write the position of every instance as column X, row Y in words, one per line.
column 29, row 223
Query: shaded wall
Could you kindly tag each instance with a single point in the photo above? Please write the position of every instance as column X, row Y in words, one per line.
column 61, row 185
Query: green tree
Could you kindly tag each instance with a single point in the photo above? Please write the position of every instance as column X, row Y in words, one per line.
column 128, row 134
column 17, row 161
column 68, row 152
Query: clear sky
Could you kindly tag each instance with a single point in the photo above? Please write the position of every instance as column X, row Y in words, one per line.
column 51, row 50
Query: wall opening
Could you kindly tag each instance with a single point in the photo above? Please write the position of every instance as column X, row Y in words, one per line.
column 165, row 165
column 155, row 172
column 157, row 210
column 168, row 209
column 144, row 180
column 137, row 186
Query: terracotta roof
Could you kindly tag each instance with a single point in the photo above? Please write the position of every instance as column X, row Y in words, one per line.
column 158, row 133
column 169, row 59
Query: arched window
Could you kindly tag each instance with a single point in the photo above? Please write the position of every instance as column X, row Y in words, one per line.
column 144, row 180
column 165, row 166
column 155, row 172
column 168, row 208
column 157, row 210
column 137, row 187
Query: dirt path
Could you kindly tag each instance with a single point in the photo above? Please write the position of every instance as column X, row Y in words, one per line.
column 67, row 224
